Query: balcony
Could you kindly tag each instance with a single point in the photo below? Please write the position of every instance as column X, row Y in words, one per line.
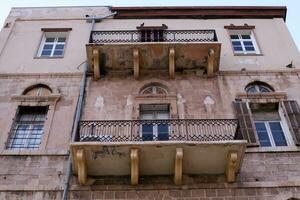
column 157, row 147
column 139, row 52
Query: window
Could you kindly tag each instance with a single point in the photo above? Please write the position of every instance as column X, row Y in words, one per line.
column 152, row 33
column 159, row 130
column 28, row 128
column 258, row 86
column 53, row 44
column 243, row 42
column 268, row 125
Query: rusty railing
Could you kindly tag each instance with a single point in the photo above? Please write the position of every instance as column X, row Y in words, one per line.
column 166, row 36
column 156, row 130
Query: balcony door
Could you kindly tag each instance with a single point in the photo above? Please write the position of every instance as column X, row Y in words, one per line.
column 150, row 128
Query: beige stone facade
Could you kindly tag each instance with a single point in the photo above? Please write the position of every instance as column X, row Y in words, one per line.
column 120, row 94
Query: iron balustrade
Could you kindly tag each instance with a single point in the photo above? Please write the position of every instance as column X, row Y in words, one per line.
column 168, row 36
column 157, row 130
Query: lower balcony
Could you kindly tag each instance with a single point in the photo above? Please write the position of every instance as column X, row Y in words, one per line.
column 157, row 147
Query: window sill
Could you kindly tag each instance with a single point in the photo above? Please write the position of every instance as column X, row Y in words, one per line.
column 53, row 57
column 248, row 54
column 25, row 152
column 272, row 149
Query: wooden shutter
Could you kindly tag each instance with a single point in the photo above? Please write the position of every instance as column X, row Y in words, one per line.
column 246, row 124
column 293, row 115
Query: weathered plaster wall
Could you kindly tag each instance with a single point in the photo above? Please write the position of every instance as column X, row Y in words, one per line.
column 115, row 98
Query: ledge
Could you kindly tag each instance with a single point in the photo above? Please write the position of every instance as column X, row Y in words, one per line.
column 259, row 72
column 272, row 149
column 262, row 97
column 41, row 75
column 26, row 98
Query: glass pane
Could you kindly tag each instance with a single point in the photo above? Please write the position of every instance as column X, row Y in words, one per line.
column 58, row 53
column 48, row 46
column 277, row 134
column 236, row 43
column 50, row 39
column 251, row 89
column 234, row 37
column 46, row 53
column 249, row 48
column 236, row 48
column 20, row 136
column 263, row 89
column 246, row 37
column 59, row 46
column 147, row 132
column 248, row 43
column 61, row 39
column 163, row 132
column 262, row 134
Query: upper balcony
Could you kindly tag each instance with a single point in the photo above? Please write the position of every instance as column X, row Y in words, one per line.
column 153, row 50
column 157, row 147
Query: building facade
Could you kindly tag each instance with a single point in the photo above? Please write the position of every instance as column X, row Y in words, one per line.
column 149, row 103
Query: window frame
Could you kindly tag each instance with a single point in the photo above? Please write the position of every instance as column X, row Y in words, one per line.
column 284, row 125
column 270, row 134
column 55, row 34
column 12, row 137
column 239, row 33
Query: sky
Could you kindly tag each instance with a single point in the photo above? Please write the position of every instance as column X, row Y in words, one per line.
column 292, row 21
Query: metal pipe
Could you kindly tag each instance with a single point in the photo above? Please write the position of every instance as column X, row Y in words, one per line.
column 77, row 116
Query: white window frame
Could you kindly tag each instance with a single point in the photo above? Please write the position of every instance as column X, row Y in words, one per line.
column 269, row 132
column 55, row 35
column 239, row 33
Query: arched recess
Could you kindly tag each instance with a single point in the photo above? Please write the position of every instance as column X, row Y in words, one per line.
column 38, row 90
column 258, row 87
column 154, row 88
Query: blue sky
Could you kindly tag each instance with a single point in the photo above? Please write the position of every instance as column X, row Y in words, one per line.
column 293, row 16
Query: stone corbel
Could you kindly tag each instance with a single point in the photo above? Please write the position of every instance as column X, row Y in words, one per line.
column 96, row 63
column 178, row 166
column 231, row 167
column 136, row 63
column 82, row 168
column 134, row 161
column 172, row 62
column 210, row 63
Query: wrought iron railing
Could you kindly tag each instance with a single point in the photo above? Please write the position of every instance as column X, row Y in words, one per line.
column 168, row 36
column 156, row 130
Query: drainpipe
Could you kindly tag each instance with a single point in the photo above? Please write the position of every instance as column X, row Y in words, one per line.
column 92, row 20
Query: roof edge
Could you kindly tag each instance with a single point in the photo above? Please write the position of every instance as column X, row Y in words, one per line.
column 202, row 12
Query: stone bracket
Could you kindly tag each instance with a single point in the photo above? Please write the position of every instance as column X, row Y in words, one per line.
column 171, row 62
column 96, row 63
column 178, row 166
column 210, row 63
column 82, row 168
column 231, row 167
column 136, row 63
column 134, row 161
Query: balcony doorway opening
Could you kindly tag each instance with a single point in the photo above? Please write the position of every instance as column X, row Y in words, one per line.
column 155, row 126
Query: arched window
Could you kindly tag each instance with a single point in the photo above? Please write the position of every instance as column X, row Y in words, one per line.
column 38, row 90
column 154, row 89
column 258, row 86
